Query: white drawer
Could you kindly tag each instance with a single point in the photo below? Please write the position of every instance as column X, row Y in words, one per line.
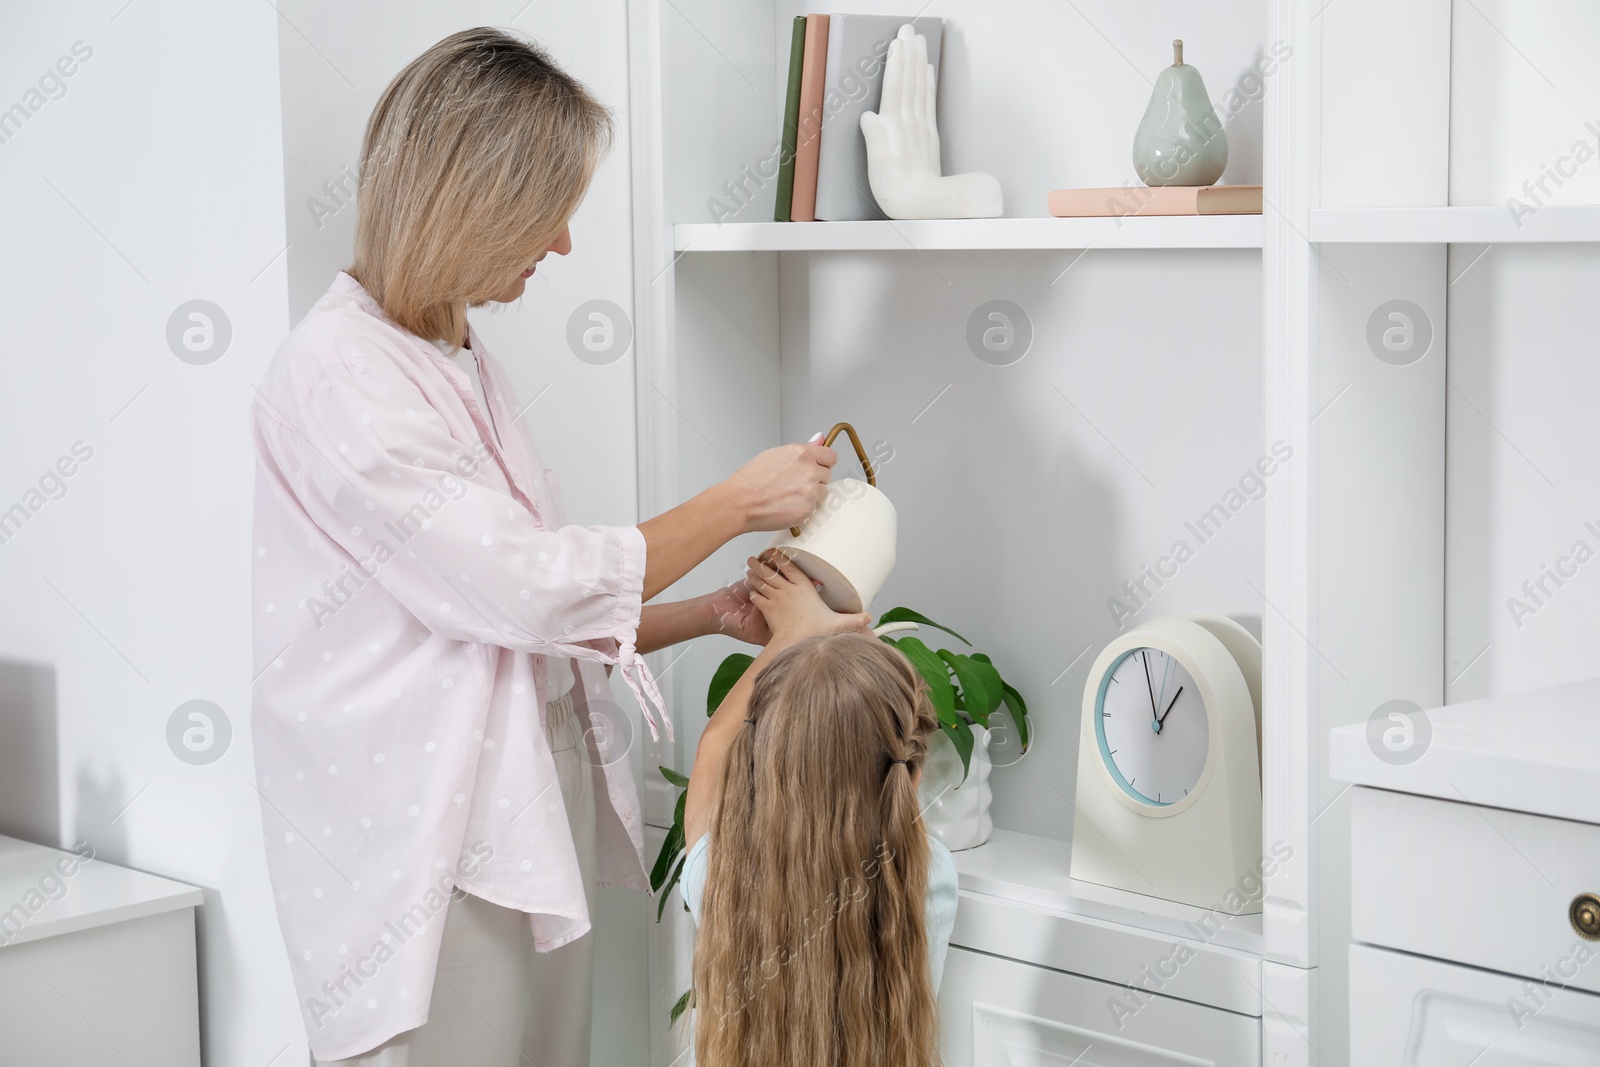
column 1185, row 966
column 1477, row 885
column 996, row 1012
column 1406, row 1011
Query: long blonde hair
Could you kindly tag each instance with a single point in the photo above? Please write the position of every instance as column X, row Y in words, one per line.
column 812, row 949
column 475, row 157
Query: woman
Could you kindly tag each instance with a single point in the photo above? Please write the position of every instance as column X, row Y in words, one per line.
column 432, row 638
column 824, row 907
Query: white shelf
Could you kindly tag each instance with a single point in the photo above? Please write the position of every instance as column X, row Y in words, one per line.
column 1554, row 223
column 1209, row 231
column 1018, row 900
column 1037, row 871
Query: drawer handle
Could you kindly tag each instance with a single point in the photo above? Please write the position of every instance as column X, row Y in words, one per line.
column 1585, row 916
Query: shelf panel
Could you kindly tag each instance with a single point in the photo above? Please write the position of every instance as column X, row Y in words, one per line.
column 1554, row 223
column 1036, row 871
column 1209, row 231
column 1019, row 901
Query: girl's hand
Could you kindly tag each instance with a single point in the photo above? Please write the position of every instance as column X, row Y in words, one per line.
column 790, row 603
column 733, row 614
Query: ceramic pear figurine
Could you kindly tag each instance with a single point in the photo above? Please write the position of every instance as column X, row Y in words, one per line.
column 903, row 145
column 1180, row 140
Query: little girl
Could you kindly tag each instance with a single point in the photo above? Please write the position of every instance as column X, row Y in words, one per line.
column 824, row 909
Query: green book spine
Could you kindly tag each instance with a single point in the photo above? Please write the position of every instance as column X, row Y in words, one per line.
column 791, row 122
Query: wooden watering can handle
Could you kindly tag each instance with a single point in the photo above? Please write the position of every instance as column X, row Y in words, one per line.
column 861, row 454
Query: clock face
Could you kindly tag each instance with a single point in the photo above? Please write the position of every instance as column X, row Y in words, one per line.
column 1151, row 725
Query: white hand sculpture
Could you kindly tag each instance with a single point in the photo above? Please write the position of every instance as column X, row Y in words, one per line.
column 903, row 145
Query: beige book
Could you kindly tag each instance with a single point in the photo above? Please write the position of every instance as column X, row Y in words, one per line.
column 1156, row 200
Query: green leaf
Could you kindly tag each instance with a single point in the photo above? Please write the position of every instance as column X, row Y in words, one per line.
column 1014, row 704
column 960, row 735
column 671, row 846
column 936, row 674
column 680, row 1007
column 907, row 615
column 679, row 780
column 1019, row 713
column 661, row 905
column 728, row 674
column 980, row 684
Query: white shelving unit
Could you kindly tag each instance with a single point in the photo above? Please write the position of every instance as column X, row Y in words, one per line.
column 1030, row 492
column 1550, row 224
column 1216, row 231
column 820, row 321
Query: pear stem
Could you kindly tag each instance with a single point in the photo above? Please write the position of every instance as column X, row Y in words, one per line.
column 1177, row 53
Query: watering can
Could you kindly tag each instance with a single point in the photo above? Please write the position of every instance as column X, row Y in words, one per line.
column 847, row 545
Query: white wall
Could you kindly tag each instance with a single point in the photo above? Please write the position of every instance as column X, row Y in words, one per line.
column 1027, row 494
column 1524, row 88
column 177, row 166
column 154, row 180
column 1522, row 485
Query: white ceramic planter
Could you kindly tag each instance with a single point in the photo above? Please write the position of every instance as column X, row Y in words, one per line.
column 955, row 811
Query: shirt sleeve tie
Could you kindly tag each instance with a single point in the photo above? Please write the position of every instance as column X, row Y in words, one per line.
column 643, row 684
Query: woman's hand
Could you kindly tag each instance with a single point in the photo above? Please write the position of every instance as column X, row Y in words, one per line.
column 782, row 486
column 790, row 603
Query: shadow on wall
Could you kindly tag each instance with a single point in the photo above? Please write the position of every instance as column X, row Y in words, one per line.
column 30, row 802
column 1008, row 530
column 101, row 798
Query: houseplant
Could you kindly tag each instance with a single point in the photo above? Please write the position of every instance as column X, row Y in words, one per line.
column 965, row 690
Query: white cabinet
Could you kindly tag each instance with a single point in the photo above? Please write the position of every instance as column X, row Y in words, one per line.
column 1000, row 1013
column 1425, row 1013
column 1050, row 971
column 1475, row 884
column 97, row 963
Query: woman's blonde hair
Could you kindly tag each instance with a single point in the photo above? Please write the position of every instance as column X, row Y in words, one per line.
column 474, row 159
column 812, row 949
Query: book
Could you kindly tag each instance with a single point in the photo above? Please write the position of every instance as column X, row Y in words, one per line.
column 858, row 46
column 808, row 141
column 791, row 122
column 1156, row 200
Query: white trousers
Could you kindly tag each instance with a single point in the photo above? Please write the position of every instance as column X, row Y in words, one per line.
column 496, row 1002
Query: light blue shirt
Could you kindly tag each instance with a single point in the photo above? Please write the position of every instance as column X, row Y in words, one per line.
column 938, row 906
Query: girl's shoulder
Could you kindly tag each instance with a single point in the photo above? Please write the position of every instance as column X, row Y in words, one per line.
column 944, row 884
column 692, row 880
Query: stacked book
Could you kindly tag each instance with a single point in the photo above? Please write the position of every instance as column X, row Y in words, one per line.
column 835, row 76
column 1131, row 199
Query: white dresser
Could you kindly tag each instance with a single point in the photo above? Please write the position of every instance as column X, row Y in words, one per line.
column 1475, row 883
column 1046, row 971
column 97, row 963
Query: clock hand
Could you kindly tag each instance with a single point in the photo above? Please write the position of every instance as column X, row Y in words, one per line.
column 1163, row 720
column 1145, row 657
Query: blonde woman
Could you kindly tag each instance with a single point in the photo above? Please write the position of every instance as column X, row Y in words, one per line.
column 824, row 909
column 432, row 739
